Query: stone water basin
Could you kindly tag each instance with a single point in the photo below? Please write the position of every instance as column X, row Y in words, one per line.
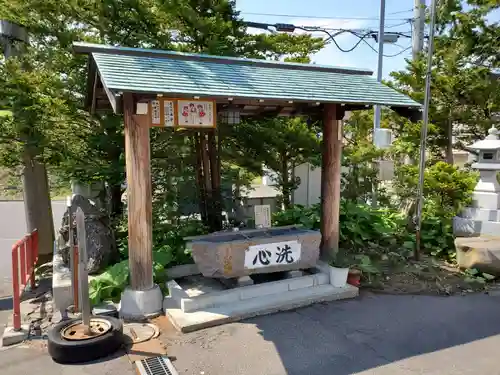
column 255, row 251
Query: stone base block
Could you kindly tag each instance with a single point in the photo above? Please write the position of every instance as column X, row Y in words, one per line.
column 486, row 200
column 12, row 337
column 296, row 273
column 463, row 227
column 244, row 281
column 198, row 302
column 188, row 322
column 482, row 253
column 481, row 214
column 141, row 304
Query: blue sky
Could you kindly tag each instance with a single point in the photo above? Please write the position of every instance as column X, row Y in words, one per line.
column 347, row 14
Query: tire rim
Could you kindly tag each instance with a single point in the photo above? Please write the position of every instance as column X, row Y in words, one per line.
column 78, row 331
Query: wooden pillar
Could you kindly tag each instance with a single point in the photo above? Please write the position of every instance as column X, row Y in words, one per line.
column 137, row 157
column 330, row 180
column 199, row 179
column 214, row 156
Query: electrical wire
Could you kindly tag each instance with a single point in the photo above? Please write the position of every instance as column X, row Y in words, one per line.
column 362, row 38
column 332, row 37
column 320, row 17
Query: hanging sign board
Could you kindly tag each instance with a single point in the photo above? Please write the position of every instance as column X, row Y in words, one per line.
column 196, row 113
column 182, row 113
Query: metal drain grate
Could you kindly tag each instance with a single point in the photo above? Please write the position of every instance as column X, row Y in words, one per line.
column 156, row 366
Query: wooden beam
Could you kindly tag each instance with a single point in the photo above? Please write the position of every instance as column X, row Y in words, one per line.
column 199, row 178
column 214, row 155
column 137, row 158
column 207, row 182
column 91, row 84
column 330, row 180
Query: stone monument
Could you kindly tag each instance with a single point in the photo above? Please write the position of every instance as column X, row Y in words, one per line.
column 483, row 217
column 478, row 227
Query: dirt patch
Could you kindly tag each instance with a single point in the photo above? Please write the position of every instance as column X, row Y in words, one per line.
column 427, row 276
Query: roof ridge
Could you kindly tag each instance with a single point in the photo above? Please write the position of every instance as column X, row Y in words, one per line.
column 91, row 48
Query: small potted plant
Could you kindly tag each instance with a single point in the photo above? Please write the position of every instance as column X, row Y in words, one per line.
column 354, row 277
column 339, row 269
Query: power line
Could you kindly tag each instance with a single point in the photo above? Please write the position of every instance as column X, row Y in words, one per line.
column 320, row 17
column 402, row 11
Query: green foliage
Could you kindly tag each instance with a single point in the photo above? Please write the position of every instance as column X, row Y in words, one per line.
column 169, row 249
column 447, row 188
column 277, row 143
column 473, row 275
column 361, row 226
column 359, row 154
column 463, row 89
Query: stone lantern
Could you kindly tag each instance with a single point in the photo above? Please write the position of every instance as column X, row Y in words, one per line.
column 478, row 226
column 484, row 215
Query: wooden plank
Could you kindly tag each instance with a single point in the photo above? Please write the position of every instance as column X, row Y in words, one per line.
column 330, row 180
column 137, row 158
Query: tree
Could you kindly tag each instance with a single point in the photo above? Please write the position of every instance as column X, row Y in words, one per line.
column 206, row 26
column 463, row 91
column 278, row 143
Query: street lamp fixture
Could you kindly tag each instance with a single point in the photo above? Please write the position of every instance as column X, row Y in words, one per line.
column 388, row 38
column 285, row 27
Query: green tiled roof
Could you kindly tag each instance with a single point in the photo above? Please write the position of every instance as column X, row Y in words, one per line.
column 152, row 71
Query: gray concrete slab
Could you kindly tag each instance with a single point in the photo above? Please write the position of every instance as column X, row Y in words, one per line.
column 374, row 334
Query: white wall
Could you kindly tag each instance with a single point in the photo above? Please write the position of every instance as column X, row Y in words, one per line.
column 309, row 190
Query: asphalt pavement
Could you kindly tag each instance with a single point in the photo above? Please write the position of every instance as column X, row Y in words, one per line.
column 374, row 334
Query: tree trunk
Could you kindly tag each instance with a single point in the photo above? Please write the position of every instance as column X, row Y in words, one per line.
column 449, row 141
column 116, row 201
column 37, row 204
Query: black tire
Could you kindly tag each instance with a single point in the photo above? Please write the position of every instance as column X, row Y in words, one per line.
column 78, row 351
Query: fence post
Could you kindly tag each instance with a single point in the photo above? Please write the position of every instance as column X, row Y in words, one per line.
column 16, row 301
column 22, row 249
column 82, row 267
column 73, row 254
column 32, row 258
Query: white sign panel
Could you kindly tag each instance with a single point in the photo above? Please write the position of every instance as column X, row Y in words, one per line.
column 155, row 112
column 262, row 216
column 196, row 113
column 272, row 254
column 169, row 113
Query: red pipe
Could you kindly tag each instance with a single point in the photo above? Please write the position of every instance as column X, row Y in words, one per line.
column 15, row 288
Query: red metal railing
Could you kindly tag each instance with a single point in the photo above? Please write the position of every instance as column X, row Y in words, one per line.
column 24, row 258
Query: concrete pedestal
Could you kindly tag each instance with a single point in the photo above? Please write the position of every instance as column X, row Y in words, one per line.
column 196, row 302
column 141, row 304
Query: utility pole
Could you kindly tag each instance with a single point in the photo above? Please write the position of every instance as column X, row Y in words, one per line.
column 377, row 110
column 376, row 119
column 37, row 206
column 418, row 28
column 423, row 135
